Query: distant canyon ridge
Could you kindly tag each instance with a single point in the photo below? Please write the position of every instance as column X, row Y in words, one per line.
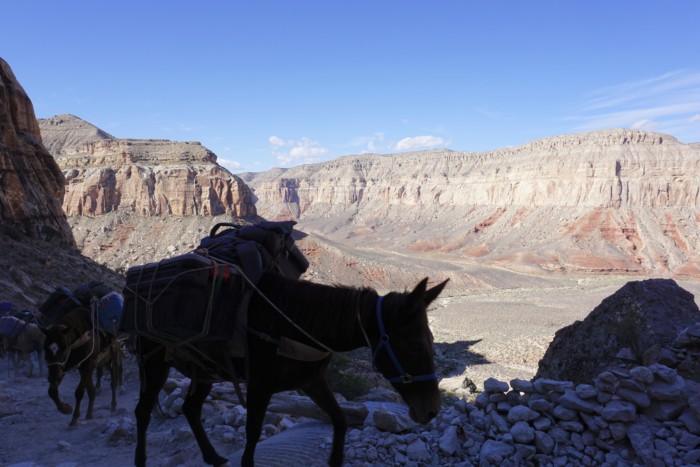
column 615, row 201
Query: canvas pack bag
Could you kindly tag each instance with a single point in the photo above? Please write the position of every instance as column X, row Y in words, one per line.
column 11, row 326
column 187, row 297
column 109, row 312
column 256, row 248
column 203, row 296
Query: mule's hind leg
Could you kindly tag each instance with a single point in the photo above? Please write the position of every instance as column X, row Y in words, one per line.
column 40, row 358
column 153, row 372
column 28, row 357
column 321, row 394
column 115, row 371
column 192, row 409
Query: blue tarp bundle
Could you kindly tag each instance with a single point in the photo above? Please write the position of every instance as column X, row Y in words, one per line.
column 109, row 312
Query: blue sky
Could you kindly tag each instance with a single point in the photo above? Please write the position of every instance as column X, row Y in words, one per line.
column 281, row 83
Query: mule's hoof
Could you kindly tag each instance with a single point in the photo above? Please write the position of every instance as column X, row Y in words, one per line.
column 73, row 422
column 66, row 409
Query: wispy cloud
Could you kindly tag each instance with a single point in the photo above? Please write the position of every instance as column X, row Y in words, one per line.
column 373, row 143
column 303, row 151
column 413, row 143
column 669, row 103
column 229, row 164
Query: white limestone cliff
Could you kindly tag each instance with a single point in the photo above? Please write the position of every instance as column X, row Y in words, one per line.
column 623, row 201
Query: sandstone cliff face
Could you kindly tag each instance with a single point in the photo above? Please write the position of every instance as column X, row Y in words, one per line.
column 31, row 183
column 147, row 177
column 620, row 201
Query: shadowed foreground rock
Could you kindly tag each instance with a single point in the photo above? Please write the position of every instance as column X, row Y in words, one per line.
column 638, row 318
column 31, row 183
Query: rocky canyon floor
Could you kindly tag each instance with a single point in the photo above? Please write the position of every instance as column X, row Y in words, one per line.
column 488, row 322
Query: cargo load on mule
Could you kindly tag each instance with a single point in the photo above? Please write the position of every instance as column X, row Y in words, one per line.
column 256, row 248
column 203, row 296
column 107, row 305
column 11, row 326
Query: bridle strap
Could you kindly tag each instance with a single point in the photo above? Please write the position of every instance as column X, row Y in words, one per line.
column 385, row 343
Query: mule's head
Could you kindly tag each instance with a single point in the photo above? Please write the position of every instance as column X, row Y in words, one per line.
column 404, row 352
column 57, row 348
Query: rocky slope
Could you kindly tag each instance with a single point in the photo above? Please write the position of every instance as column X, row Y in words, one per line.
column 31, row 184
column 615, row 201
column 148, row 177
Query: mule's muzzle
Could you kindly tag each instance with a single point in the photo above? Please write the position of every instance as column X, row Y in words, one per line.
column 55, row 376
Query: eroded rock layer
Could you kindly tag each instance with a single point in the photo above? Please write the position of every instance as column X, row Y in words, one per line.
column 618, row 201
column 147, row 177
column 31, row 183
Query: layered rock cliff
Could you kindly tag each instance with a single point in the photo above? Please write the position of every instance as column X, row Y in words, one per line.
column 620, row 201
column 147, row 177
column 31, row 183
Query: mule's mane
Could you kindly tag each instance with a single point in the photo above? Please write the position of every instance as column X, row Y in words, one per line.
column 78, row 320
column 319, row 308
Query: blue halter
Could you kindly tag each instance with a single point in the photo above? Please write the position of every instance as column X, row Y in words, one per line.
column 384, row 343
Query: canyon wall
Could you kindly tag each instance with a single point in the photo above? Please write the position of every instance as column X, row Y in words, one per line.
column 31, row 183
column 146, row 177
column 613, row 201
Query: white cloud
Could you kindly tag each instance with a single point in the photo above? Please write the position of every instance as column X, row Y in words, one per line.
column 229, row 164
column 374, row 143
column 276, row 141
column 420, row 142
column 669, row 103
column 644, row 124
column 303, row 151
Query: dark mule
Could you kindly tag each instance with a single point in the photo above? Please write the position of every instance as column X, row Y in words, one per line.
column 313, row 318
column 74, row 341
column 20, row 347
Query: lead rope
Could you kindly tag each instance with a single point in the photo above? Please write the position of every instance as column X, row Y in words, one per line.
column 362, row 328
column 93, row 330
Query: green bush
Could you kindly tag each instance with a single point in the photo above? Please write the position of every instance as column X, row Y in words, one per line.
column 344, row 381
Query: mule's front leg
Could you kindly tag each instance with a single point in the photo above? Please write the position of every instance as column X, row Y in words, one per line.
column 60, row 405
column 258, row 400
column 322, row 395
column 86, row 383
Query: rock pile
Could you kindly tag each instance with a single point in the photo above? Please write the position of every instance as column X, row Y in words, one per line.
column 629, row 415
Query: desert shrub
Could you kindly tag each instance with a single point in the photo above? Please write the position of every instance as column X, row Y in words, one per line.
column 344, row 380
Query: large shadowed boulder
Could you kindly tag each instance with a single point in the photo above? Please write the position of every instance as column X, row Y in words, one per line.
column 642, row 315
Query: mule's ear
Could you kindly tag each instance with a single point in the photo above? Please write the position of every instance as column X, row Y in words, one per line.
column 433, row 293
column 418, row 291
